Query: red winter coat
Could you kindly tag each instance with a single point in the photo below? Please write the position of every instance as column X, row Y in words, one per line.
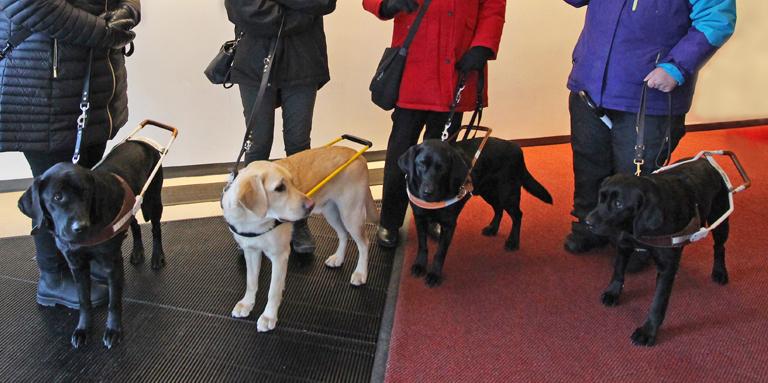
column 448, row 30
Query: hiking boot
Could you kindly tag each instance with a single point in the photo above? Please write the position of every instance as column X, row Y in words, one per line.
column 301, row 239
column 60, row 288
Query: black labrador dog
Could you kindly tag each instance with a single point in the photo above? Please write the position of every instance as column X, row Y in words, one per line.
column 436, row 170
column 633, row 209
column 80, row 207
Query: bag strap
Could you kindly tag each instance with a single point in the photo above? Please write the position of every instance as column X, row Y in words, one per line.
column 14, row 41
column 268, row 61
column 85, row 106
column 414, row 28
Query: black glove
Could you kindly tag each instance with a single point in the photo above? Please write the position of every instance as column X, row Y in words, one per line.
column 474, row 59
column 389, row 8
column 123, row 17
column 118, row 38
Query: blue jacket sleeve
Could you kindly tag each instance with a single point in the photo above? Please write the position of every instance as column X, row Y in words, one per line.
column 713, row 22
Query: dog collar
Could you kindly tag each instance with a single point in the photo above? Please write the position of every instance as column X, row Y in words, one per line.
column 464, row 191
column 121, row 221
column 276, row 223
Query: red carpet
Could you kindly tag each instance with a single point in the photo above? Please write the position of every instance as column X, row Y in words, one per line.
column 535, row 315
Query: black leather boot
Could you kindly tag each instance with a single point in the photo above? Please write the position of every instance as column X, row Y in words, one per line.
column 301, row 239
column 639, row 261
column 434, row 230
column 60, row 288
column 580, row 240
column 387, row 238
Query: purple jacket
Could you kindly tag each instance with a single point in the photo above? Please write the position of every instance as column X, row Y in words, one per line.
column 622, row 39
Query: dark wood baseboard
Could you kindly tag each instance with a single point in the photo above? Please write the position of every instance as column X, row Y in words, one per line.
column 379, row 155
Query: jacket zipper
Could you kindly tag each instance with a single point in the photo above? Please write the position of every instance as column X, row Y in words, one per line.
column 114, row 81
column 55, row 58
column 634, row 5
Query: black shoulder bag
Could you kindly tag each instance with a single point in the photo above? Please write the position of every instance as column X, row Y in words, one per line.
column 219, row 69
column 385, row 86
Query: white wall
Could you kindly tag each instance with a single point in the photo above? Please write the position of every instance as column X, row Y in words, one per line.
column 528, row 95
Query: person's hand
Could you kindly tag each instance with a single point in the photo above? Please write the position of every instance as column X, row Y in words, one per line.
column 118, row 38
column 661, row 80
column 123, row 18
column 389, row 8
column 474, row 59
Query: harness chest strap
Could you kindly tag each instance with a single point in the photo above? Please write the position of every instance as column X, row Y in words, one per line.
column 688, row 235
column 464, row 191
column 122, row 220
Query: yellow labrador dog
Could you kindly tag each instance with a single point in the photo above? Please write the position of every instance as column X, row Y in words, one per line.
column 266, row 197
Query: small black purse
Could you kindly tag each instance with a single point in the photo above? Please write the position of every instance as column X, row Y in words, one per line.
column 385, row 86
column 219, row 69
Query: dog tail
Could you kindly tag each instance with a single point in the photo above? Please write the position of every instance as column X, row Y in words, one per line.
column 531, row 185
column 371, row 213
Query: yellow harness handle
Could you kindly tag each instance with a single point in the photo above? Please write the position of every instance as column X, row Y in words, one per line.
column 358, row 140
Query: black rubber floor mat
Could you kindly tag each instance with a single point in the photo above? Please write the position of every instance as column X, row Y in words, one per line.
column 177, row 321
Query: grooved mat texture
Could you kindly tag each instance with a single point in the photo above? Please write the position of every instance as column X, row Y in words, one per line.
column 177, row 321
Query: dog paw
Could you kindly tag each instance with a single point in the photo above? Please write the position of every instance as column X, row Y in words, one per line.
column 334, row 261
column 643, row 337
column 610, row 299
column 266, row 323
column 358, row 279
column 137, row 256
column 242, row 309
column 158, row 261
column 418, row 270
column 720, row 277
column 78, row 338
column 433, row 280
column 511, row 245
column 490, row 231
column 111, row 337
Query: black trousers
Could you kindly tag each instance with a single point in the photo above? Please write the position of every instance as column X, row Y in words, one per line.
column 48, row 257
column 297, row 104
column 407, row 125
column 599, row 152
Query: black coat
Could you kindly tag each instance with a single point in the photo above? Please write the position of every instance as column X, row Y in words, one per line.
column 301, row 58
column 42, row 79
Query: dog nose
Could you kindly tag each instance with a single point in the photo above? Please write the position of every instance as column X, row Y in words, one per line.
column 79, row 226
column 309, row 205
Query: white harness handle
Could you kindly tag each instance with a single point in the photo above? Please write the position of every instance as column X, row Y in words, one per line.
column 709, row 155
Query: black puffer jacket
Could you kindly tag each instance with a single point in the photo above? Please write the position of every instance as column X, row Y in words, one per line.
column 41, row 80
column 302, row 55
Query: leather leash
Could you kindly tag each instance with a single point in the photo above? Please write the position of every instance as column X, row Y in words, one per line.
column 248, row 138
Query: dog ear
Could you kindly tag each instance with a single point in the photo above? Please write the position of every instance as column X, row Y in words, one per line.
column 32, row 206
column 407, row 160
column 458, row 171
column 253, row 196
column 648, row 215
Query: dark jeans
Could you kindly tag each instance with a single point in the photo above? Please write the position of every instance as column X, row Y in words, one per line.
column 298, row 104
column 599, row 152
column 407, row 125
column 48, row 257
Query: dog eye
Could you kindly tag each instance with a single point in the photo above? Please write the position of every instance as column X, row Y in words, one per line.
column 280, row 188
column 57, row 197
column 618, row 204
